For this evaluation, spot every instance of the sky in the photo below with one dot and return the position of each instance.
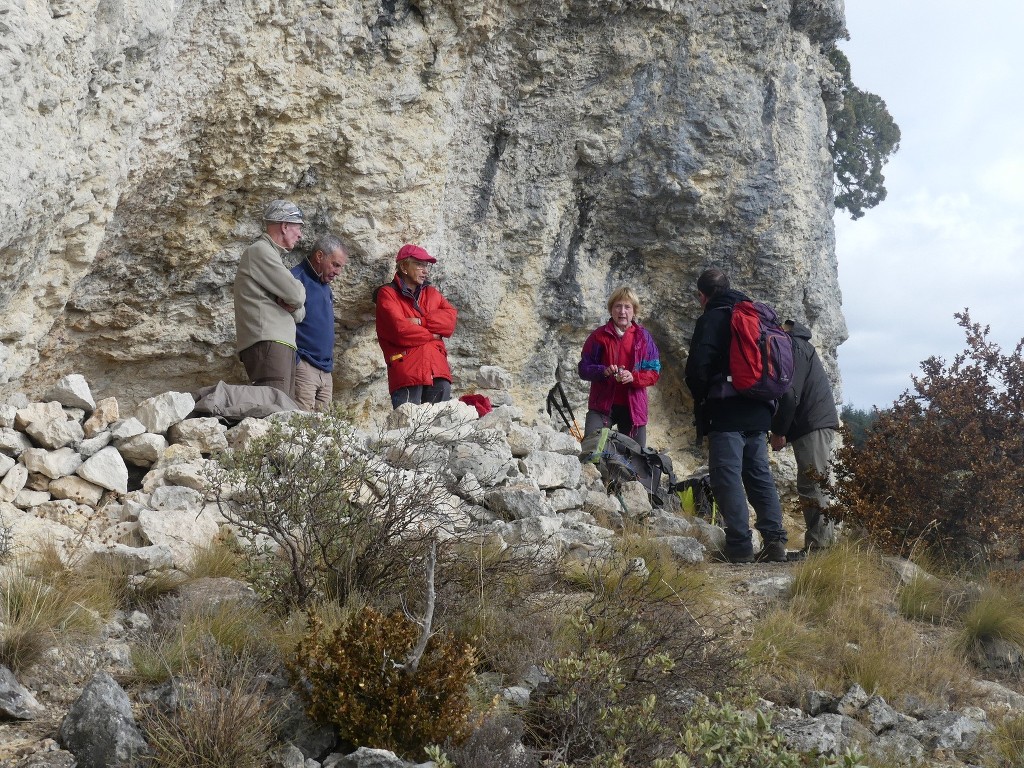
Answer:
(950, 234)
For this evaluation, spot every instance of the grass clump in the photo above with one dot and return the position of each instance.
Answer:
(219, 718)
(996, 614)
(841, 627)
(1006, 742)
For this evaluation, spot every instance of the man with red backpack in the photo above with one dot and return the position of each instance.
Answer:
(736, 426)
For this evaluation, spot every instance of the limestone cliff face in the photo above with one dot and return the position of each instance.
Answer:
(546, 150)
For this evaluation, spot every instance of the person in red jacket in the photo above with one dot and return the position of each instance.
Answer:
(413, 320)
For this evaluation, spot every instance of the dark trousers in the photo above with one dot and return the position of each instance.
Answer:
(738, 467)
(440, 391)
(270, 364)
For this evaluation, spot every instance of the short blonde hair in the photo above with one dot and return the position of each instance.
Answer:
(625, 293)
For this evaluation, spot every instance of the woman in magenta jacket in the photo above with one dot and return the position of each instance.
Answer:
(620, 360)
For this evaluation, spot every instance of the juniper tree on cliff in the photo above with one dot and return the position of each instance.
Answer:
(862, 136)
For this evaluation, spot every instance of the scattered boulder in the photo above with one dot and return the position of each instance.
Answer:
(100, 729)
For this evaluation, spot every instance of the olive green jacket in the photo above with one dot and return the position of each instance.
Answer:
(261, 280)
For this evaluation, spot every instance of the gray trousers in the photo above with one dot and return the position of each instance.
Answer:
(813, 453)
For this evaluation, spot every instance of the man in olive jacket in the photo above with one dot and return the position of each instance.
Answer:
(269, 300)
(807, 420)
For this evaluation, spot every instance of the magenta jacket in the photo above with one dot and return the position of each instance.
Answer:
(598, 353)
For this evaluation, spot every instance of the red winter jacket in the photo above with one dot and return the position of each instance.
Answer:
(413, 356)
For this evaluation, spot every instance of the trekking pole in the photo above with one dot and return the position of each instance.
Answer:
(556, 394)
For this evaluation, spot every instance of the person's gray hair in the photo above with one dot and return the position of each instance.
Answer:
(327, 244)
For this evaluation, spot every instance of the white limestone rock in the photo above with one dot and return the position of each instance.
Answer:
(136, 560)
(522, 440)
(53, 464)
(206, 434)
(554, 470)
(36, 412)
(72, 391)
(8, 413)
(159, 413)
(182, 531)
(106, 469)
(103, 415)
(635, 501)
(13, 442)
(93, 445)
(6, 462)
(56, 432)
(247, 430)
(122, 429)
(27, 499)
(515, 502)
(143, 450)
(13, 482)
(76, 489)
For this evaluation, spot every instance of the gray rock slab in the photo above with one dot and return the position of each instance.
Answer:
(516, 502)
(16, 701)
(100, 729)
(554, 470)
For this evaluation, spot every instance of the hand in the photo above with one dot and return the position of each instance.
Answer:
(285, 306)
(611, 370)
(778, 442)
(624, 376)
(415, 320)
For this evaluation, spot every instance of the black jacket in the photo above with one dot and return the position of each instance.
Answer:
(809, 404)
(708, 364)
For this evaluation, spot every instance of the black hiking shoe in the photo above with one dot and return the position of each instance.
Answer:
(736, 558)
(772, 552)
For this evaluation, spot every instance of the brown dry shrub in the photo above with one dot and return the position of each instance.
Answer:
(357, 679)
(945, 465)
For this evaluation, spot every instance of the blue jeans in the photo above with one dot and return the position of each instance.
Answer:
(419, 394)
(738, 465)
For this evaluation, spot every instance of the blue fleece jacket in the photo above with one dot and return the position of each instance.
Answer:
(314, 336)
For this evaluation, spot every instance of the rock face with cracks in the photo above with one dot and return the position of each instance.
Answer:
(546, 151)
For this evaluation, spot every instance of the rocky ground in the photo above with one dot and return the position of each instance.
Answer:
(96, 483)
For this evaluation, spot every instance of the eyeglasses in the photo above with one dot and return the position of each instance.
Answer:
(421, 265)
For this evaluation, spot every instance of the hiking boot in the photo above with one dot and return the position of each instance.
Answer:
(736, 558)
(796, 555)
(772, 552)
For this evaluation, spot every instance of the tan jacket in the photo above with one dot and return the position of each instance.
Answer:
(262, 278)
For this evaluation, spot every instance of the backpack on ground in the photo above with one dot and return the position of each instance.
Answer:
(760, 353)
(696, 496)
(620, 459)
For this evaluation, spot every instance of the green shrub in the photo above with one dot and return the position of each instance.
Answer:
(945, 464)
(358, 680)
(321, 516)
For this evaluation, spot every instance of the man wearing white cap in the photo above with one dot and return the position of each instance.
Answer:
(269, 300)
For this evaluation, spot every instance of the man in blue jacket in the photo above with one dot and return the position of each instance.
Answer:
(807, 420)
(736, 427)
(314, 336)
